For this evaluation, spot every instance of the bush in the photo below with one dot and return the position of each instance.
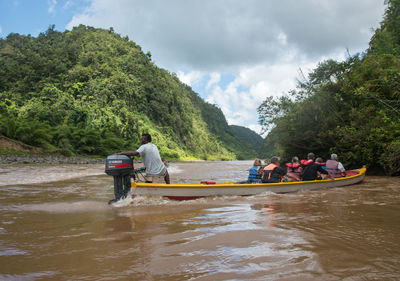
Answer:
(390, 159)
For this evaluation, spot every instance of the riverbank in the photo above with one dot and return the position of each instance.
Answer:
(48, 159)
(14, 152)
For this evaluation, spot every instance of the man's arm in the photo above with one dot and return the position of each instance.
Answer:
(128, 153)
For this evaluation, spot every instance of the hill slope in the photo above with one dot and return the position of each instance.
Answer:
(251, 139)
(90, 91)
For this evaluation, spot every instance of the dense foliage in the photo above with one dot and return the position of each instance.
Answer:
(89, 91)
(350, 108)
(253, 140)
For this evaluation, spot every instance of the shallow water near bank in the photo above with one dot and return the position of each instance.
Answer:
(56, 225)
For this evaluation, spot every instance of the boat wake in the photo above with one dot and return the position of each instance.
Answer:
(142, 200)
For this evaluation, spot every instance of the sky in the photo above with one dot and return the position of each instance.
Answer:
(233, 53)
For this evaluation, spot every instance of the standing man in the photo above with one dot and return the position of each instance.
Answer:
(151, 159)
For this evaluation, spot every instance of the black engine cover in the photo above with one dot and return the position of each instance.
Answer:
(119, 165)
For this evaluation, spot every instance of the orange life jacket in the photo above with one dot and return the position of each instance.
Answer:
(268, 170)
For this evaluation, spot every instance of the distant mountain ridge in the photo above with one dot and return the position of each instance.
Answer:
(251, 138)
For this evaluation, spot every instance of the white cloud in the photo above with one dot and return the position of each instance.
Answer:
(261, 44)
(68, 4)
(217, 35)
(190, 78)
(240, 99)
(215, 77)
(51, 6)
(1, 30)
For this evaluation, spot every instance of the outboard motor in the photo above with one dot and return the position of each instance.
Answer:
(121, 168)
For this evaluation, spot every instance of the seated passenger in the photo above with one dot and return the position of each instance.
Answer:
(274, 173)
(335, 168)
(294, 168)
(312, 171)
(321, 162)
(255, 172)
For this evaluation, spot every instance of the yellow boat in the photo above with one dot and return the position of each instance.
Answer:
(186, 191)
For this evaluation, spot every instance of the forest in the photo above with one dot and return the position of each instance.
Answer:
(90, 91)
(351, 107)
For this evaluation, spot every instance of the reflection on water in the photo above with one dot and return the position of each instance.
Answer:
(56, 225)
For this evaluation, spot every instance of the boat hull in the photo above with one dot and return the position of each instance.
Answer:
(186, 191)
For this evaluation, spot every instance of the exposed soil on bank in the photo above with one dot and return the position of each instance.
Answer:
(10, 145)
(15, 152)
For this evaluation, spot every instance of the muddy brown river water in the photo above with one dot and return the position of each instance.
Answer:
(56, 225)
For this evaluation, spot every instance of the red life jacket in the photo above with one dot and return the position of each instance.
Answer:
(292, 165)
(306, 162)
(294, 170)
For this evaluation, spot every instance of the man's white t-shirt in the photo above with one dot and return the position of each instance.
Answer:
(151, 159)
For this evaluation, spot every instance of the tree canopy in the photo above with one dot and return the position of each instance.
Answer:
(351, 108)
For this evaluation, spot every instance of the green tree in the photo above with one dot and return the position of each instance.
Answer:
(350, 107)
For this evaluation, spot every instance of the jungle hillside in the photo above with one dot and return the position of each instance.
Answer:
(90, 91)
(351, 107)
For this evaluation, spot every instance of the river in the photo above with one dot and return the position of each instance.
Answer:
(56, 225)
